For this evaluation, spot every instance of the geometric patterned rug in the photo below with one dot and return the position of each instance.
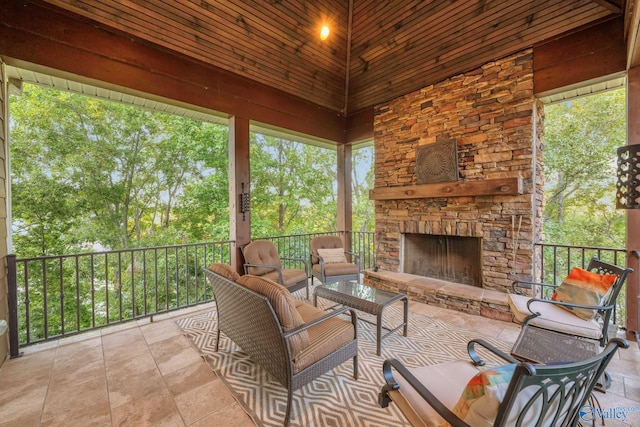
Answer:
(335, 398)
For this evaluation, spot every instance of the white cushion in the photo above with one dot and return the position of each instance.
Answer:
(553, 317)
(446, 381)
(332, 256)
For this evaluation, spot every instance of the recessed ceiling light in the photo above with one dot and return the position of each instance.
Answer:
(324, 32)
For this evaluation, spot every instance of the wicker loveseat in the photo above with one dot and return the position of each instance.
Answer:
(292, 340)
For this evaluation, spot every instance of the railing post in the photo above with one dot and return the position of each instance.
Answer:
(12, 296)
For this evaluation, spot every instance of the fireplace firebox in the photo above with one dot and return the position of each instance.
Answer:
(452, 258)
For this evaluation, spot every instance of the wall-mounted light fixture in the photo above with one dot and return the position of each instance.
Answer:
(245, 202)
(628, 183)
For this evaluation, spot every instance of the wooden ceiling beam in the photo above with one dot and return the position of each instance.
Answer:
(582, 56)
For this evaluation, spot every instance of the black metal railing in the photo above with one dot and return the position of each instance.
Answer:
(58, 296)
(556, 261)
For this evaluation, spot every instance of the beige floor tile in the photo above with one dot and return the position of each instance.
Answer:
(24, 373)
(159, 331)
(189, 378)
(157, 409)
(130, 365)
(173, 354)
(202, 401)
(77, 404)
(23, 405)
(128, 388)
(230, 416)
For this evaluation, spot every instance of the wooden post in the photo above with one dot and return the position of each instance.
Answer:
(344, 221)
(239, 174)
(633, 215)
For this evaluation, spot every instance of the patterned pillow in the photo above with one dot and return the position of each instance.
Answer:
(585, 288)
(479, 402)
(332, 256)
(284, 306)
(224, 270)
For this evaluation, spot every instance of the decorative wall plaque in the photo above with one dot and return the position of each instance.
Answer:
(437, 162)
(628, 183)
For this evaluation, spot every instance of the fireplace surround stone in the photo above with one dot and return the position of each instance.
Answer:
(496, 123)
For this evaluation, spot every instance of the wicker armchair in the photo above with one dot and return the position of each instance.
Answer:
(516, 394)
(262, 259)
(330, 262)
(294, 341)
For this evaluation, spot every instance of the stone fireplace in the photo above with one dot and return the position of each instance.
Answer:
(495, 123)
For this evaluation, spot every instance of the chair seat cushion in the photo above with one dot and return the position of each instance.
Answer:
(446, 381)
(553, 317)
(337, 269)
(289, 276)
(324, 338)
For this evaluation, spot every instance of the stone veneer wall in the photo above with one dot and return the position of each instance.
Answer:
(496, 122)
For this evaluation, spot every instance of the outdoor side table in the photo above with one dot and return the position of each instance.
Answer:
(367, 299)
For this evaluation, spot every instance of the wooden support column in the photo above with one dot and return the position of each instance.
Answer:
(633, 215)
(344, 220)
(240, 223)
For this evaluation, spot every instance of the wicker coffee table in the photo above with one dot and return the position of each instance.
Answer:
(364, 298)
(543, 346)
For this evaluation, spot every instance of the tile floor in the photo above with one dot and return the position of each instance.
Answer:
(147, 373)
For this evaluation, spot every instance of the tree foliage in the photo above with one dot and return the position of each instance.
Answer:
(92, 172)
(89, 173)
(581, 137)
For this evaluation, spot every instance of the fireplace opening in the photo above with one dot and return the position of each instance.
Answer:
(452, 258)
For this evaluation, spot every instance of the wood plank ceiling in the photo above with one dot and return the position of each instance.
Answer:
(396, 46)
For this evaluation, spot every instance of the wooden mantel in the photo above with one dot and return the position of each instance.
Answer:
(487, 187)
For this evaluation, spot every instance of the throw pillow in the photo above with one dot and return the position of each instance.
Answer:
(332, 256)
(585, 288)
(224, 270)
(284, 306)
(479, 402)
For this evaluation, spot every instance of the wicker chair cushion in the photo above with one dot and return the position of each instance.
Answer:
(261, 252)
(289, 276)
(326, 242)
(553, 317)
(325, 337)
(224, 270)
(337, 269)
(585, 288)
(332, 256)
(283, 304)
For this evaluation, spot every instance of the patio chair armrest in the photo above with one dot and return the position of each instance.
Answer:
(433, 401)
(329, 315)
(354, 255)
(477, 361)
(303, 261)
(518, 285)
(565, 304)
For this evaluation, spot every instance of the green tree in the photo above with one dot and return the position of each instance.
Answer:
(581, 137)
(114, 173)
(292, 187)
